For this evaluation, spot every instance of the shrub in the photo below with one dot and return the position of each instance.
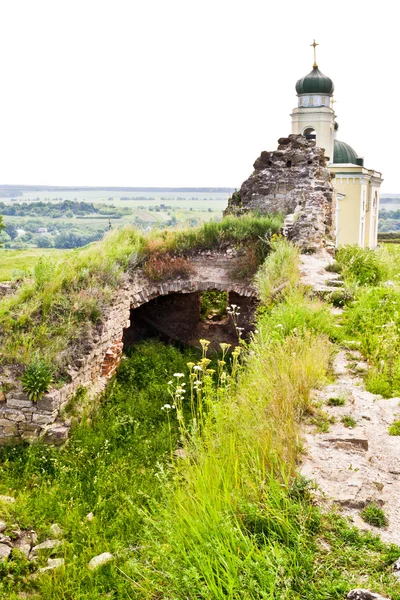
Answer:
(213, 304)
(374, 515)
(37, 379)
(361, 265)
(342, 297)
(164, 266)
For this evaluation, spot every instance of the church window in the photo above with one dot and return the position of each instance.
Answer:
(310, 133)
(311, 102)
(323, 100)
(301, 101)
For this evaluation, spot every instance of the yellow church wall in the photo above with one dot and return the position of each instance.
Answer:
(349, 211)
(358, 210)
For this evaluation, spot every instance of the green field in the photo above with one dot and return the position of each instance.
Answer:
(23, 260)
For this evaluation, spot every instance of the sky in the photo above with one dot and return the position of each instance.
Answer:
(185, 92)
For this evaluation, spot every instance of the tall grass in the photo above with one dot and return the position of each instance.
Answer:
(373, 317)
(279, 270)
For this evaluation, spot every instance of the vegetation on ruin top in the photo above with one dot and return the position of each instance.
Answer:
(57, 305)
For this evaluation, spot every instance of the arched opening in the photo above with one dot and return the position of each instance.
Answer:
(184, 319)
(310, 133)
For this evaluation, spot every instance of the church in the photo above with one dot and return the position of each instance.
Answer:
(357, 187)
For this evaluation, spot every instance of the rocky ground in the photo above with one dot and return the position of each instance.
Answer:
(359, 465)
(356, 462)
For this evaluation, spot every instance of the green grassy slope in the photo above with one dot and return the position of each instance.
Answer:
(228, 517)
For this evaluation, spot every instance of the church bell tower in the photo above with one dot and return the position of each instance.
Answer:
(314, 117)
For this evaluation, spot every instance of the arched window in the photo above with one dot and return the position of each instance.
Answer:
(310, 133)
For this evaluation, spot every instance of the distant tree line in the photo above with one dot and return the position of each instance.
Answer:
(64, 209)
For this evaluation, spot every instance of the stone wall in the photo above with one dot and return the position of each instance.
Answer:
(295, 181)
(21, 419)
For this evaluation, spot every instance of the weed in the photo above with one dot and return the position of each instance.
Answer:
(37, 379)
(337, 400)
(374, 515)
(394, 428)
(348, 421)
(213, 305)
(334, 267)
(163, 266)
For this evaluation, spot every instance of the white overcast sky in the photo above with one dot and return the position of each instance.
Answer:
(185, 92)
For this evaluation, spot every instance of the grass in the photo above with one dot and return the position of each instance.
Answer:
(15, 263)
(337, 401)
(394, 428)
(228, 518)
(374, 515)
(373, 317)
(348, 421)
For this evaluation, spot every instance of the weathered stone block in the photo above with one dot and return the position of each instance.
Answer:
(49, 402)
(16, 403)
(44, 418)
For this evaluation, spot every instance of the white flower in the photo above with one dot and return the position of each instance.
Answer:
(197, 368)
(179, 375)
(170, 382)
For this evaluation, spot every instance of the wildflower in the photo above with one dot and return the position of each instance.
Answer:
(166, 407)
(224, 347)
(179, 375)
(197, 368)
(170, 382)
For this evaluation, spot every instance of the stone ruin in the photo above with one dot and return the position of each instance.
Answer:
(131, 313)
(294, 181)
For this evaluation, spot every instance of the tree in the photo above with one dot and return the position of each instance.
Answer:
(1, 227)
(44, 241)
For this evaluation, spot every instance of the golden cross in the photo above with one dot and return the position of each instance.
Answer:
(314, 45)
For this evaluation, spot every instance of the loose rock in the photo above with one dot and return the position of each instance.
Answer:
(56, 530)
(396, 568)
(100, 560)
(7, 499)
(3, 526)
(5, 551)
(52, 563)
(47, 545)
(360, 594)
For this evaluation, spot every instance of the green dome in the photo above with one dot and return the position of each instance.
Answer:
(343, 153)
(315, 83)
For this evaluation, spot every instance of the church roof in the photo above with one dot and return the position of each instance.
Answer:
(343, 153)
(315, 83)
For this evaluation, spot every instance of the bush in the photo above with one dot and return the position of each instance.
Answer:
(37, 379)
